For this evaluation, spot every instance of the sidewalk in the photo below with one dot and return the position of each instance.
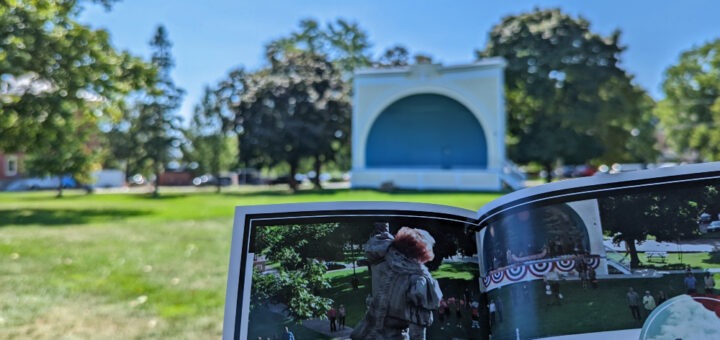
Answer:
(323, 326)
(317, 325)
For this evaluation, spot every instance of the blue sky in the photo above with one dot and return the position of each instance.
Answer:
(214, 36)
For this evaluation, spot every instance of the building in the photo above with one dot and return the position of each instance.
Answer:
(10, 165)
(428, 126)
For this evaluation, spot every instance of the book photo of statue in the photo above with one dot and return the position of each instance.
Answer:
(404, 293)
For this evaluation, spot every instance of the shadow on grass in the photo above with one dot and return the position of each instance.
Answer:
(329, 192)
(284, 193)
(714, 258)
(59, 217)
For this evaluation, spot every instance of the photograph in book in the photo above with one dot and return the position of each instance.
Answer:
(632, 255)
(609, 260)
(361, 273)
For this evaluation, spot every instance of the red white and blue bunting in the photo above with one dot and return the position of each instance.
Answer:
(537, 270)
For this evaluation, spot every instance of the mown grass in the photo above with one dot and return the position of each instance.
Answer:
(130, 266)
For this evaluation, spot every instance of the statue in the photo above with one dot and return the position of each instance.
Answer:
(404, 293)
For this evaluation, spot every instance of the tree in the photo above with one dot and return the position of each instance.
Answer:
(567, 98)
(65, 150)
(347, 46)
(395, 56)
(158, 128)
(58, 78)
(690, 112)
(300, 277)
(297, 108)
(668, 215)
(212, 144)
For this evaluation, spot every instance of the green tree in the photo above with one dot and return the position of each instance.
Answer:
(121, 143)
(394, 56)
(296, 109)
(65, 150)
(57, 78)
(211, 136)
(690, 112)
(668, 215)
(300, 277)
(347, 46)
(158, 127)
(567, 98)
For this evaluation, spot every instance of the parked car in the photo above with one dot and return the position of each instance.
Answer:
(212, 180)
(713, 227)
(42, 183)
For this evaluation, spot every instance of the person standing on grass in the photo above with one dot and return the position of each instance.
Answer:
(332, 315)
(633, 301)
(475, 312)
(690, 282)
(709, 281)
(341, 316)
(648, 302)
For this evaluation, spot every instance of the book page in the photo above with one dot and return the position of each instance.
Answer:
(354, 270)
(636, 258)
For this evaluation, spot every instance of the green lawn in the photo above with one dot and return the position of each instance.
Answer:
(583, 310)
(130, 266)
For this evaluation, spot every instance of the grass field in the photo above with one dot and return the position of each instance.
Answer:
(130, 266)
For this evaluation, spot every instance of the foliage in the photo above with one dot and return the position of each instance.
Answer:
(668, 216)
(213, 144)
(690, 112)
(299, 280)
(298, 108)
(64, 151)
(568, 99)
(344, 42)
(57, 79)
(345, 45)
(394, 56)
(158, 128)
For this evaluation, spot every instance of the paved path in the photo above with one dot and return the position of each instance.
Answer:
(317, 325)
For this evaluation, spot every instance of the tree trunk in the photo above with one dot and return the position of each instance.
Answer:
(317, 168)
(217, 182)
(549, 170)
(293, 170)
(59, 188)
(156, 189)
(634, 259)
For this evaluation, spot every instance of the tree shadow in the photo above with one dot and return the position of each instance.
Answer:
(61, 217)
(284, 193)
(714, 258)
(165, 196)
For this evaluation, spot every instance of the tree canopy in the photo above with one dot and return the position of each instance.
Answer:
(690, 112)
(567, 97)
(54, 71)
(298, 108)
(58, 80)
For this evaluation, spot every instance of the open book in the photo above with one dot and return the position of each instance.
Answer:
(624, 256)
